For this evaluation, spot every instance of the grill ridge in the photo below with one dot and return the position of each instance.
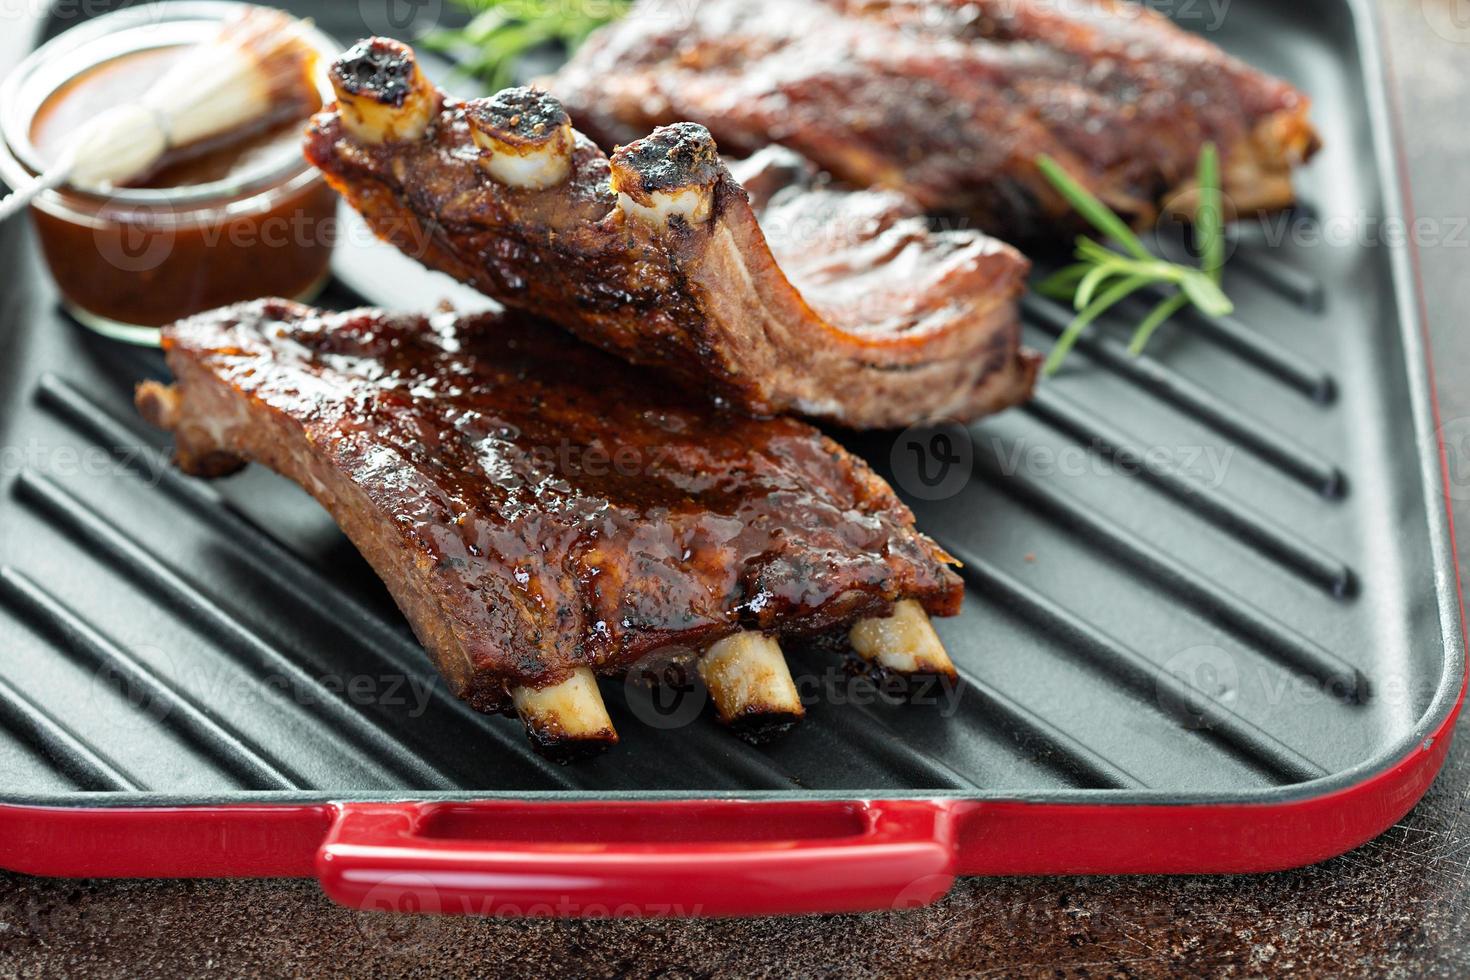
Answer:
(253, 765)
(1302, 288)
(1296, 371)
(1091, 645)
(64, 748)
(1042, 738)
(1197, 590)
(369, 735)
(1222, 510)
(1286, 454)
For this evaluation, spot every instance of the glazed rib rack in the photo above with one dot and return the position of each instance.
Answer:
(789, 297)
(544, 514)
(953, 102)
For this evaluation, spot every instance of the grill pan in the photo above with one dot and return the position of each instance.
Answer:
(1212, 622)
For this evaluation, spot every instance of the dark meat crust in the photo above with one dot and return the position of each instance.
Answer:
(534, 505)
(951, 101)
(935, 335)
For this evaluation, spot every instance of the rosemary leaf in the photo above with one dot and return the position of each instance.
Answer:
(1203, 292)
(1062, 284)
(1156, 318)
(503, 31)
(1098, 214)
(1103, 277)
(1090, 283)
(1069, 337)
(1209, 217)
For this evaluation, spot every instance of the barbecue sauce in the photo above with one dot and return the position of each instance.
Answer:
(147, 263)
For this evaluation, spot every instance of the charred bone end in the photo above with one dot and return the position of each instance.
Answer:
(669, 173)
(566, 720)
(382, 94)
(525, 137)
(904, 643)
(751, 686)
(196, 451)
(160, 404)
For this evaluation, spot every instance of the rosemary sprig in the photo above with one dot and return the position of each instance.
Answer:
(502, 31)
(1102, 277)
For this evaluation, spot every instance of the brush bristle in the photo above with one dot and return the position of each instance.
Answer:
(260, 65)
(278, 44)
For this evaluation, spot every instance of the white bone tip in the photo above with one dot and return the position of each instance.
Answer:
(524, 136)
(750, 684)
(903, 643)
(568, 718)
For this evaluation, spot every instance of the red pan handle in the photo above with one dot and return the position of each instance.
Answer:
(658, 858)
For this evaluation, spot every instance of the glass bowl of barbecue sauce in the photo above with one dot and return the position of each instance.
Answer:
(240, 218)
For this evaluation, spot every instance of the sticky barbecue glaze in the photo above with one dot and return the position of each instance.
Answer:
(535, 505)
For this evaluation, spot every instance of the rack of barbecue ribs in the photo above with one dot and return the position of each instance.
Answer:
(952, 101)
(838, 305)
(543, 514)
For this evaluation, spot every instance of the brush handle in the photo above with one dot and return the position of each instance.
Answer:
(16, 201)
(119, 144)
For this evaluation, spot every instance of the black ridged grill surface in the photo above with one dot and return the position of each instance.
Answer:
(1210, 570)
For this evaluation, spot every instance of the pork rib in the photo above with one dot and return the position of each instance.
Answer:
(543, 513)
(952, 101)
(839, 305)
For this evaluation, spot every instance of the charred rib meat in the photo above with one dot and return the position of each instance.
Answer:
(543, 514)
(840, 305)
(951, 101)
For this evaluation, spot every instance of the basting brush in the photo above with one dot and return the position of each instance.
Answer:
(259, 65)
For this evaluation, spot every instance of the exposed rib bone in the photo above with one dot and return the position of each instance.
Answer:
(566, 717)
(384, 97)
(670, 173)
(159, 403)
(751, 685)
(526, 136)
(904, 643)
